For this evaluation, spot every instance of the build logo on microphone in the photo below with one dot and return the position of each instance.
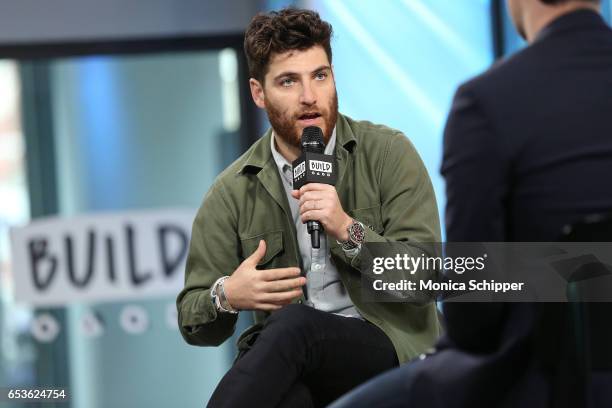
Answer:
(299, 170)
(320, 168)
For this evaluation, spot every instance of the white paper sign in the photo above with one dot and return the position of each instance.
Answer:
(92, 325)
(45, 328)
(101, 257)
(134, 319)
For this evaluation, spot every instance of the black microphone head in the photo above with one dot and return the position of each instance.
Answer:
(312, 140)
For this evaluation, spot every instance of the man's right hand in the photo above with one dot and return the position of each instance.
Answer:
(251, 289)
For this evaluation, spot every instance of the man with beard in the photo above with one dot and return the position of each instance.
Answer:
(314, 337)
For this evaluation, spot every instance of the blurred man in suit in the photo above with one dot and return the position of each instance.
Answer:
(527, 150)
(527, 143)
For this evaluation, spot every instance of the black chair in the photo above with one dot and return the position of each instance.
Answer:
(575, 339)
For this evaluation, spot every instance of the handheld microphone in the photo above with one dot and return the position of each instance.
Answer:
(313, 166)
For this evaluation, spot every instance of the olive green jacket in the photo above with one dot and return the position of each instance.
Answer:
(382, 182)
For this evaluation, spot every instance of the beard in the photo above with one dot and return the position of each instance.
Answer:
(285, 123)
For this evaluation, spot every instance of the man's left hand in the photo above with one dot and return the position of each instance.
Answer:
(320, 202)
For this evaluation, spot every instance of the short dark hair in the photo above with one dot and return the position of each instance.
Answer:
(555, 2)
(281, 31)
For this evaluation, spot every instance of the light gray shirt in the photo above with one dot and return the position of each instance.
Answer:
(325, 289)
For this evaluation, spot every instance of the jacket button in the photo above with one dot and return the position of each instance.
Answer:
(300, 301)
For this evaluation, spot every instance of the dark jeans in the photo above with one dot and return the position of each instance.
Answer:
(305, 358)
(388, 390)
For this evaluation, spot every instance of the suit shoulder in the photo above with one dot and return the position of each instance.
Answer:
(501, 76)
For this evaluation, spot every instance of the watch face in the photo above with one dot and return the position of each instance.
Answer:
(357, 233)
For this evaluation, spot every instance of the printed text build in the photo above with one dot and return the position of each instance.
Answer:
(100, 257)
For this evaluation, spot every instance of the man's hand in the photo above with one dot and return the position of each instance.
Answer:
(252, 289)
(320, 202)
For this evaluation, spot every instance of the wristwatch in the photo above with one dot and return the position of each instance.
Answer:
(217, 293)
(356, 236)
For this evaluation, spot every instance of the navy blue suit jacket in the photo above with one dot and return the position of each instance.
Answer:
(528, 144)
(527, 150)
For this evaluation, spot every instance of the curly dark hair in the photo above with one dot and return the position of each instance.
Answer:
(281, 31)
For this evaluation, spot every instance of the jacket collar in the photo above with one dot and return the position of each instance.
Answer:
(260, 154)
(576, 20)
